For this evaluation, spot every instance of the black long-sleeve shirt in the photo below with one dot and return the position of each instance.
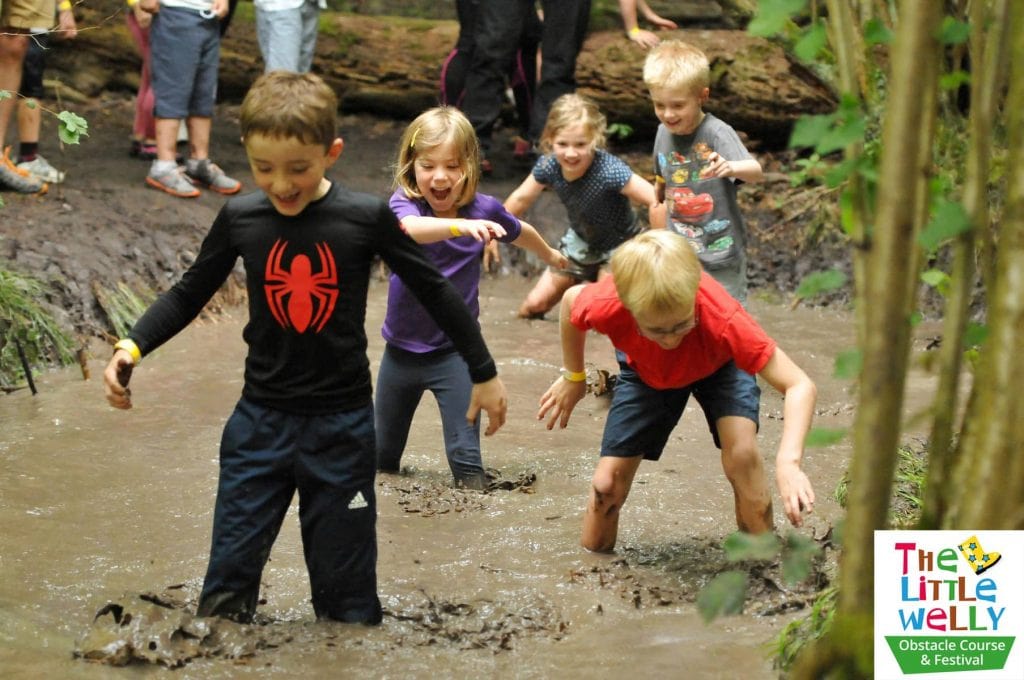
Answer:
(307, 278)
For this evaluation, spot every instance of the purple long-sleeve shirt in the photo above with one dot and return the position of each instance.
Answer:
(407, 324)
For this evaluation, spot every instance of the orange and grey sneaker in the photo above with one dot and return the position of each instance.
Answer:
(208, 174)
(172, 181)
(13, 178)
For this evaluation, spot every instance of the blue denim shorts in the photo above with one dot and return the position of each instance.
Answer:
(641, 417)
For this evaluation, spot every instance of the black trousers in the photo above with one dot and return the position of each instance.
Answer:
(499, 23)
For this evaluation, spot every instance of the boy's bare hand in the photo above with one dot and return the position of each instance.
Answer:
(795, 490)
(717, 166)
(115, 379)
(492, 256)
(491, 397)
(560, 399)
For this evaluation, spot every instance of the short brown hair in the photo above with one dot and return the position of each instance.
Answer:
(656, 271)
(432, 128)
(285, 104)
(570, 109)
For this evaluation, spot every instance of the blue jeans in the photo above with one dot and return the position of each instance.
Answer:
(287, 37)
(641, 418)
(265, 456)
(401, 382)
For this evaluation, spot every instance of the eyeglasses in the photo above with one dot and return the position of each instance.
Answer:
(681, 328)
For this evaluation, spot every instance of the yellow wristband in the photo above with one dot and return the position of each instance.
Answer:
(455, 230)
(128, 345)
(574, 377)
(64, 6)
(634, 31)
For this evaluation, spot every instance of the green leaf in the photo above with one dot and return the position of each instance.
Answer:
(916, 318)
(798, 556)
(841, 172)
(951, 81)
(953, 31)
(849, 129)
(5, 94)
(820, 282)
(876, 33)
(741, 546)
(937, 279)
(772, 16)
(724, 595)
(949, 220)
(71, 127)
(809, 129)
(813, 41)
(820, 437)
(847, 365)
(975, 334)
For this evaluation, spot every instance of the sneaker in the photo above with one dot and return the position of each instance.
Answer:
(173, 182)
(42, 169)
(209, 174)
(143, 151)
(14, 178)
(522, 149)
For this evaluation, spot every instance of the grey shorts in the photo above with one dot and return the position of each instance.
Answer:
(185, 55)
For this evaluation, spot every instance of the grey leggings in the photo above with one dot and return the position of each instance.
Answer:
(401, 382)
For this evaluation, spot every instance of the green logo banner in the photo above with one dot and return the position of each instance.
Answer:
(944, 654)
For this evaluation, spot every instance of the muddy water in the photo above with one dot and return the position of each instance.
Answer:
(96, 503)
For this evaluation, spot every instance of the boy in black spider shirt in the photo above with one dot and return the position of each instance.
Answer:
(305, 417)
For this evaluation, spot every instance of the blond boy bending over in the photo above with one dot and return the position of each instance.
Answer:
(677, 331)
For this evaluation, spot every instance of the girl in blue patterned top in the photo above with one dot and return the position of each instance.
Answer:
(596, 188)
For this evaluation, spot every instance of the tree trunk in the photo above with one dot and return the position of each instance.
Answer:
(885, 353)
(988, 46)
(990, 472)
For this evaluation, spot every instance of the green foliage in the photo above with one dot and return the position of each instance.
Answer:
(24, 320)
(800, 632)
(773, 16)
(830, 132)
(123, 306)
(876, 33)
(820, 437)
(949, 220)
(817, 283)
(723, 596)
(726, 593)
(848, 364)
(953, 31)
(620, 131)
(813, 42)
(71, 127)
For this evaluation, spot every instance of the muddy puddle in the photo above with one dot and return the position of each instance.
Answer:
(105, 517)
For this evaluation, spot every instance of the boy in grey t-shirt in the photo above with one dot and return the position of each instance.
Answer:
(698, 160)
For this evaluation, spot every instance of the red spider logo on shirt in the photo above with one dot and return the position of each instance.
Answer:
(293, 294)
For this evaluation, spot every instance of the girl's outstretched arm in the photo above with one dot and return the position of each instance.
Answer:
(424, 229)
(531, 240)
(520, 200)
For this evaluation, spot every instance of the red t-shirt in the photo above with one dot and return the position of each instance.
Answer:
(724, 331)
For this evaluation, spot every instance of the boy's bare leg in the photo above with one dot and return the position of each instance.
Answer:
(166, 138)
(608, 490)
(198, 136)
(745, 471)
(545, 294)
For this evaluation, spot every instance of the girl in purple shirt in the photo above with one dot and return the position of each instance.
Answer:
(436, 201)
